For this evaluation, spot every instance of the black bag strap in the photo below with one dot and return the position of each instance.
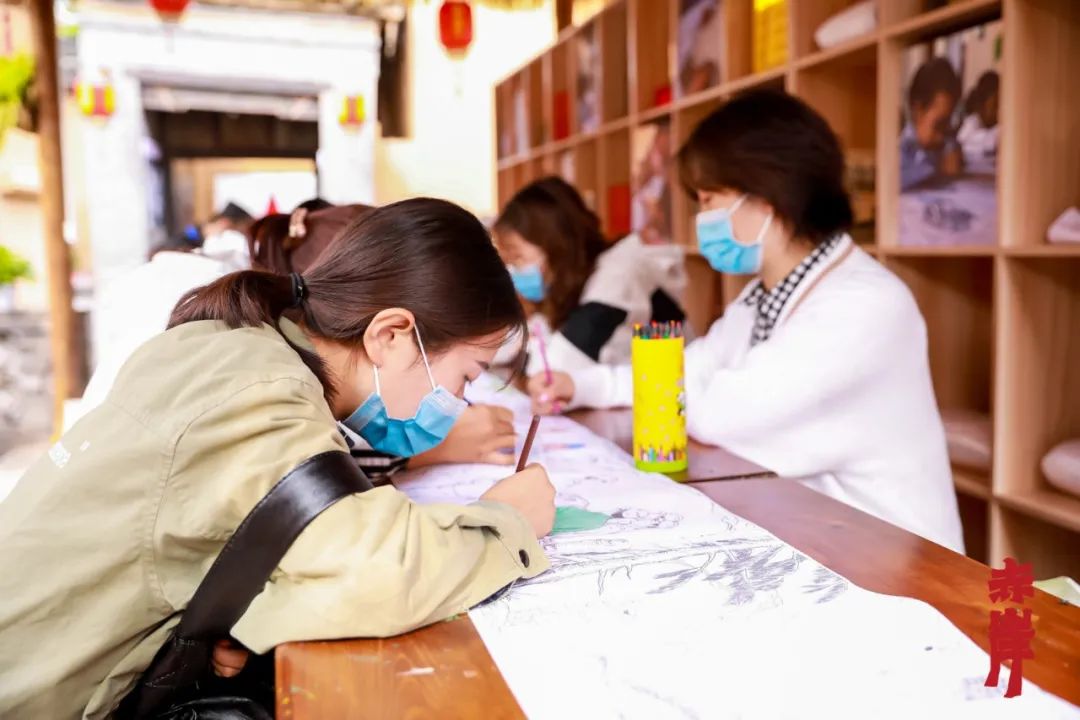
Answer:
(240, 573)
(260, 542)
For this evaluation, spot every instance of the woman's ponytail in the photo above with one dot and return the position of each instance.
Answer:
(251, 298)
(242, 299)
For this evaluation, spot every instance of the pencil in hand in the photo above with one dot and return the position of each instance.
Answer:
(536, 331)
(524, 459)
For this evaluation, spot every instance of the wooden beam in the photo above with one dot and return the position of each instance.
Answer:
(564, 14)
(66, 350)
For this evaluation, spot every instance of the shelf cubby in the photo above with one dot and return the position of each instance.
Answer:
(649, 56)
(844, 90)
(738, 28)
(615, 93)
(585, 161)
(1040, 121)
(559, 92)
(1039, 383)
(534, 79)
(1050, 548)
(955, 296)
(613, 173)
(934, 18)
(975, 517)
(807, 16)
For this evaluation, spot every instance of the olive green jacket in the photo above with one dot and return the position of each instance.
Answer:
(104, 540)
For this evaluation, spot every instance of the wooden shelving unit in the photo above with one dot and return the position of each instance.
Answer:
(1003, 320)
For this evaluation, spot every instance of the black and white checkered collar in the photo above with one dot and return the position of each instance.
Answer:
(770, 303)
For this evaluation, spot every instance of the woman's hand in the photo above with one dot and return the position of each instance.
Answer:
(229, 658)
(482, 434)
(531, 493)
(553, 397)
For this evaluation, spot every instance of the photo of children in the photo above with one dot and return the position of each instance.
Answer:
(948, 139)
(651, 205)
(588, 61)
(700, 45)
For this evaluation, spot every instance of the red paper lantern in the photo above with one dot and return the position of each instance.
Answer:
(455, 26)
(169, 10)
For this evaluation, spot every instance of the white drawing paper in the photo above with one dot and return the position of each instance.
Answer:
(677, 608)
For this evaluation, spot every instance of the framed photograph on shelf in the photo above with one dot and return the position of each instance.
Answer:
(700, 45)
(588, 87)
(949, 139)
(650, 210)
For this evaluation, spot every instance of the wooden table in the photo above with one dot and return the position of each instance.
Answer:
(372, 678)
(706, 462)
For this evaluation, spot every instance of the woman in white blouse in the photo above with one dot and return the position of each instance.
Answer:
(818, 370)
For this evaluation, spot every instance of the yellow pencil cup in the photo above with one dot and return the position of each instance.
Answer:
(659, 404)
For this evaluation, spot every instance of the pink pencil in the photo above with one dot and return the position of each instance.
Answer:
(543, 358)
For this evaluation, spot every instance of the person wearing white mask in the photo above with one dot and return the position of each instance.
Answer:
(136, 306)
(229, 247)
(819, 369)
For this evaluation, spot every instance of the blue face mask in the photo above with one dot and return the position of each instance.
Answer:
(716, 240)
(434, 417)
(529, 282)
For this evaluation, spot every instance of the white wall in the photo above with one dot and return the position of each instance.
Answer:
(339, 53)
(451, 153)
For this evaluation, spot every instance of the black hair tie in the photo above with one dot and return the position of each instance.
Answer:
(299, 289)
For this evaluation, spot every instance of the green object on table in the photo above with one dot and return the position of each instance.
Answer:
(572, 519)
(1063, 588)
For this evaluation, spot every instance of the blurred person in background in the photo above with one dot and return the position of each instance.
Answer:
(225, 237)
(136, 306)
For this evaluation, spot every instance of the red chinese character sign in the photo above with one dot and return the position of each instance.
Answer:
(1013, 582)
(1011, 631)
(455, 26)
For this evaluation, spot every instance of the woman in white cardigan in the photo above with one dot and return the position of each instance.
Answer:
(818, 370)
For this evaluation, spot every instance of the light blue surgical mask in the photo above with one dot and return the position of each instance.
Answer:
(716, 240)
(529, 282)
(436, 414)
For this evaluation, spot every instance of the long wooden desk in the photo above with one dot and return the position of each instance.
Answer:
(377, 678)
(706, 462)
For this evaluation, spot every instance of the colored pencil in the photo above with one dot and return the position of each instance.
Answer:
(528, 443)
(658, 330)
(543, 353)
(544, 359)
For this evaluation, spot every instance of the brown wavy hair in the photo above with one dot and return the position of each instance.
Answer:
(428, 256)
(550, 214)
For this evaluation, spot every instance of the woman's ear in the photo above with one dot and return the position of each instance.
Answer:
(389, 334)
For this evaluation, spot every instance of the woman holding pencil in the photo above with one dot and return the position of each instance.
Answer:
(584, 295)
(132, 505)
(819, 369)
